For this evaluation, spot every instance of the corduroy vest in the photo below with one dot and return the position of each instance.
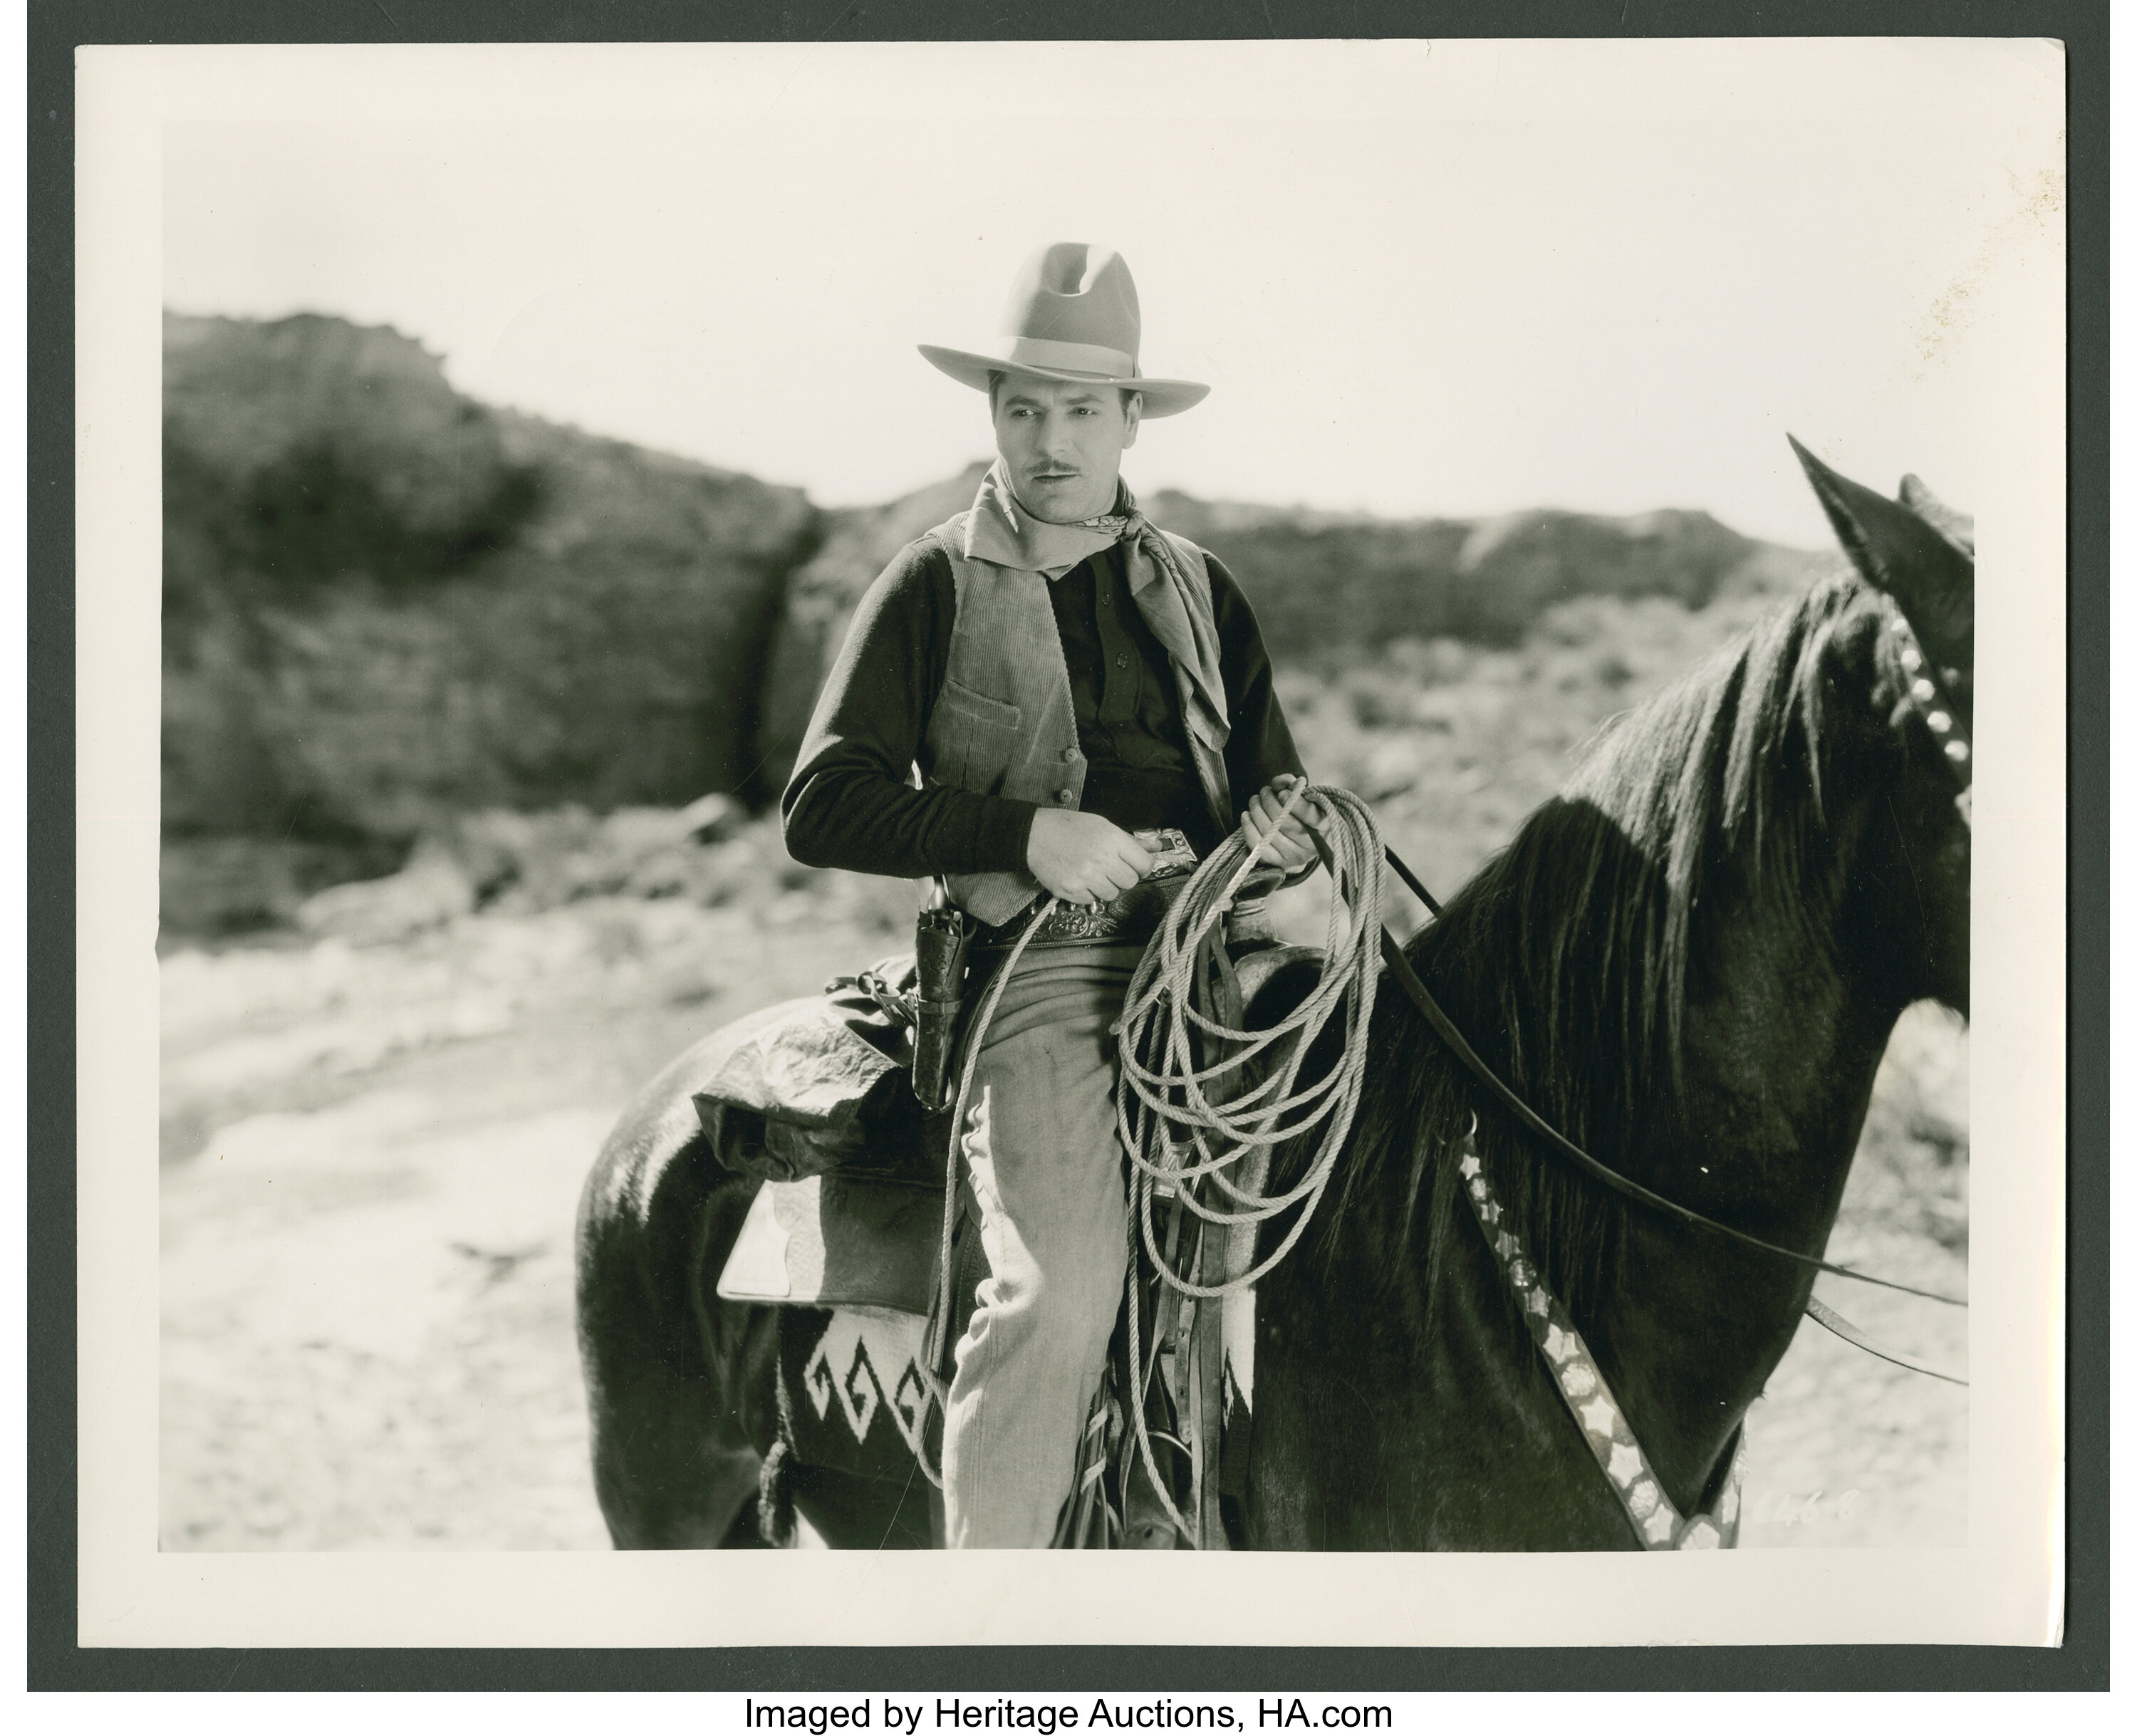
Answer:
(1004, 723)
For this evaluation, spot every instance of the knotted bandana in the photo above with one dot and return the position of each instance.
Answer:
(998, 529)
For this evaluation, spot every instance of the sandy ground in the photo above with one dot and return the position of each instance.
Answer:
(371, 1159)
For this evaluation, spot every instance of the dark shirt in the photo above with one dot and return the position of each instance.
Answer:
(851, 803)
(1138, 771)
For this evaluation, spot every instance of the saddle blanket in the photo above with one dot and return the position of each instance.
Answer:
(855, 1385)
(837, 1241)
(853, 1368)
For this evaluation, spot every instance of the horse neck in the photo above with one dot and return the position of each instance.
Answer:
(1779, 1057)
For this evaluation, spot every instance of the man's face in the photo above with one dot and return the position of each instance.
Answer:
(1061, 443)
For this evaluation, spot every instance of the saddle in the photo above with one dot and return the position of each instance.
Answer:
(813, 1099)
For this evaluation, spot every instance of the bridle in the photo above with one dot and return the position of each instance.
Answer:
(1927, 695)
(1435, 1015)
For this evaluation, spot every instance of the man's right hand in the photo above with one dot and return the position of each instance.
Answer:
(1084, 859)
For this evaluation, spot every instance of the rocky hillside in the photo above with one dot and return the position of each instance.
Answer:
(819, 600)
(386, 604)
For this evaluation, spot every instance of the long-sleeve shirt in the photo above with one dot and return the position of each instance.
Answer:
(850, 803)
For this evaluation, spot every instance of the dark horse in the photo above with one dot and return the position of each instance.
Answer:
(1689, 962)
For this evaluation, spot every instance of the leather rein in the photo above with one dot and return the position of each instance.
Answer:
(1924, 695)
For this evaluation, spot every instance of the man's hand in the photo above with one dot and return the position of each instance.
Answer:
(1291, 848)
(1082, 858)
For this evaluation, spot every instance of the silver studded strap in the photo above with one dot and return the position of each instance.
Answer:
(1929, 695)
(1654, 1517)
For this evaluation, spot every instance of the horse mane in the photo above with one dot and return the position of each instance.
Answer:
(1568, 960)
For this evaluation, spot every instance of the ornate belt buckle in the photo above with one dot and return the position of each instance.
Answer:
(1168, 844)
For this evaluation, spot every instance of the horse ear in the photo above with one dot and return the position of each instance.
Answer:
(1908, 556)
(1950, 523)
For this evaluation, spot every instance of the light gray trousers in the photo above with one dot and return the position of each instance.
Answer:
(1046, 1169)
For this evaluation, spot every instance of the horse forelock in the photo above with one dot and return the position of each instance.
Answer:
(1570, 954)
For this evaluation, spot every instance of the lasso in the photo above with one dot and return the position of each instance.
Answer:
(1165, 1106)
(1186, 1136)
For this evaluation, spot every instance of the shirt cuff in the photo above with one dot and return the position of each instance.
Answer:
(1004, 844)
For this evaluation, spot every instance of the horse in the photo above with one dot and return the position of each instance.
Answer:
(1689, 962)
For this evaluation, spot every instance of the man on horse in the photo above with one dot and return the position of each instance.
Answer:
(1082, 693)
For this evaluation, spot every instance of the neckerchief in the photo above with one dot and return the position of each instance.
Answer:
(998, 529)
(1001, 530)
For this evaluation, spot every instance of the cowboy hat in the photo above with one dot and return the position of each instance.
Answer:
(1072, 315)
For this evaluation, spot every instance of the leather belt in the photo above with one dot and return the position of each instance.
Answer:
(1132, 917)
(1127, 918)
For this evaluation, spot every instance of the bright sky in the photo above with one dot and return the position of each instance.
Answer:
(1449, 278)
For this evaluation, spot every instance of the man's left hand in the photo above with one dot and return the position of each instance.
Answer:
(1290, 846)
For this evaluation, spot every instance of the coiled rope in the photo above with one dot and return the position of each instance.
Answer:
(1189, 1138)
(1177, 1112)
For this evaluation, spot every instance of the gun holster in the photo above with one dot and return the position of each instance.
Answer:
(941, 938)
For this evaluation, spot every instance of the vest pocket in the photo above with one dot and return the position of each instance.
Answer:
(984, 710)
(976, 738)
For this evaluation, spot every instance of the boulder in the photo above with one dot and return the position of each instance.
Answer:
(524, 863)
(428, 893)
